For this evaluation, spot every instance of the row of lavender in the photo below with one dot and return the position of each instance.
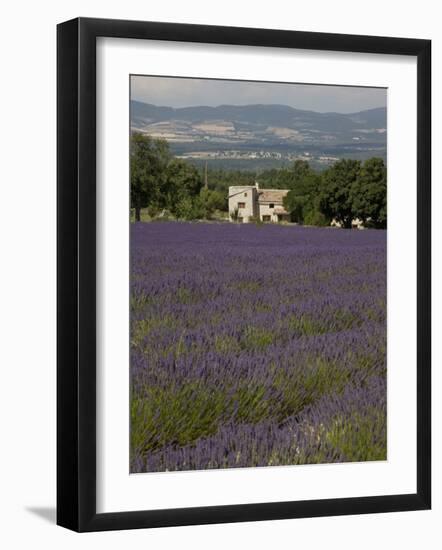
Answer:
(256, 345)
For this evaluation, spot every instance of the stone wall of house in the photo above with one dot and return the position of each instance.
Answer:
(245, 199)
(253, 202)
(265, 210)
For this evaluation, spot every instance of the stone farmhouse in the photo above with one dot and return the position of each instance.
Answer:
(250, 203)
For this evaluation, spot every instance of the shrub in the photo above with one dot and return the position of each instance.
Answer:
(314, 217)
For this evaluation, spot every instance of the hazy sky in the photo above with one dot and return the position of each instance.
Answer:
(186, 92)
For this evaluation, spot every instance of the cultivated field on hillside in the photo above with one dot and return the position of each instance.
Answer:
(256, 345)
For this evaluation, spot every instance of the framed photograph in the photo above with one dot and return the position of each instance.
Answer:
(243, 274)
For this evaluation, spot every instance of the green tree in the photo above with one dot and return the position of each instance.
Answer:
(182, 181)
(187, 208)
(302, 201)
(369, 193)
(220, 180)
(315, 217)
(285, 178)
(336, 197)
(211, 200)
(276, 178)
(301, 169)
(148, 160)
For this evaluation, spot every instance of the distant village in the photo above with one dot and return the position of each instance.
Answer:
(254, 155)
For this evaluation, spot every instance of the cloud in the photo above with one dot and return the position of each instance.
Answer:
(186, 92)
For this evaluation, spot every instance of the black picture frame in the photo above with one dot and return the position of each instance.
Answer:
(76, 274)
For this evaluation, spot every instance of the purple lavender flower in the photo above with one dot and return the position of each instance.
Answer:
(255, 346)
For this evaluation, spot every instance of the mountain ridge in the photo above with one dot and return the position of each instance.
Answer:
(265, 105)
(150, 110)
(283, 130)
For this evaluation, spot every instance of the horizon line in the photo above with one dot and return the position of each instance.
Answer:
(257, 105)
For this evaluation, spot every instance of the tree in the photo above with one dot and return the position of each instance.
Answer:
(369, 193)
(148, 160)
(188, 208)
(285, 178)
(220, 180)
(302, 199)
(295, 205)
(301, 169)
(211, 200)
(182, 181)
(316, 217)
(336, 197)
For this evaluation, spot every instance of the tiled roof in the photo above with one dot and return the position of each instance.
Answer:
(272, 195)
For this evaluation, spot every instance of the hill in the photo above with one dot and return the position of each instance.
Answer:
(263, 132)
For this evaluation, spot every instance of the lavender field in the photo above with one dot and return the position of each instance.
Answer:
(256, 345)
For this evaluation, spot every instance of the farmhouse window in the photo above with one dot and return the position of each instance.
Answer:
(266, 218)
(245, 194)
(241, 205)
(271, 205)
